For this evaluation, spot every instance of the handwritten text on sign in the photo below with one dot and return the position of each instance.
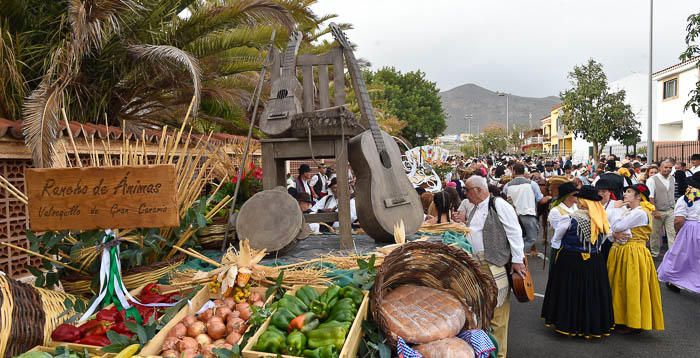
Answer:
(102, 198)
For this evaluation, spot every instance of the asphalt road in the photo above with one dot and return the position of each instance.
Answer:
(528, 337)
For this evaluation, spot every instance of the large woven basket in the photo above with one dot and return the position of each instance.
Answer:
(28, 315)
(439, 266)
(133, 278)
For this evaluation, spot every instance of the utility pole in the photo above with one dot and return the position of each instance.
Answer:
(501, 94)
(468, 118)
(650, 144)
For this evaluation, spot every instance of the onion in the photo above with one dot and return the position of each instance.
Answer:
(189, 320)
(190, 353)
(259, 304)
(255, 296)
(216, 329)
(219, 341)
(232, 315)
(178, 331)
(233, 338)
(241, 306)
(203, 339)
(235, 325)
(170, 343)
(218, 303)
(187, 343)
(169, 354)
(207, 350)
(206, 315)
(246, 313)
(195, 329)
(230, 302)
(223, 311)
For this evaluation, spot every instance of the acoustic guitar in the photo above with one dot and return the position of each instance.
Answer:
(284, 99)
(523, 287)
(384, 195)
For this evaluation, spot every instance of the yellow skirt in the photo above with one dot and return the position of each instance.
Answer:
(635, 287)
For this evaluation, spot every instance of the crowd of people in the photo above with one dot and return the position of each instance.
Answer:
(604, 227)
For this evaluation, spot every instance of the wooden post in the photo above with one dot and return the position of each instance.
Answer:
(269, 166)
(338, 77)
(341, 165)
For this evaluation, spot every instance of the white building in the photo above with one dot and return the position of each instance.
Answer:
(673, 85)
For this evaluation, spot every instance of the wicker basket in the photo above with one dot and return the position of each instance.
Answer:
(28, 315)
(438, 266)
(133, 278)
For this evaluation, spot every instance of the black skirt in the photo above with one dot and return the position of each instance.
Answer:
(578, 301)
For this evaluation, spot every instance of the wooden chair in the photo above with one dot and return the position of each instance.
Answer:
(320, 132)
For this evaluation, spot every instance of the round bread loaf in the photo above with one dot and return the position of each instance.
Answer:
(421, 314)
(446, 348)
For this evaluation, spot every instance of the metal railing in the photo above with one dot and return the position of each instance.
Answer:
(533, 140)
(678, 150)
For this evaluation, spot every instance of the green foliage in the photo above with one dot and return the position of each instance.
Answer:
(142, 335)
(470, 149)
(692, 40)
(493, 139)
(276, 289)
(374, 344)
(235, 352)
(363, 277)
(592, 111)
(413, 99)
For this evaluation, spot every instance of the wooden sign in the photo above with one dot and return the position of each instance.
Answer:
(102, 198)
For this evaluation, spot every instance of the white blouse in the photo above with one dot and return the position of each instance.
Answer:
(689, 213)
(631, 219)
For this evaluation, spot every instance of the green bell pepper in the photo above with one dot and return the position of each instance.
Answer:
(323, 304)
(306, 294)
(354, 293)
(342, 316)
(328, 334)
(321, 352)
(271, 341)
(281, 318)
(296, 343)
(346, 304)
(293, 304)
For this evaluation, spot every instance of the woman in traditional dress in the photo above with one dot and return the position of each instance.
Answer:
(631, 271)
(680, 265)
(577, 301)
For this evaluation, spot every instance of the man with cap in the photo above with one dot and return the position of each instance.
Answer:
(304, 201)
(329, 204)
(548, 170)
(562, 207)
(302, 183)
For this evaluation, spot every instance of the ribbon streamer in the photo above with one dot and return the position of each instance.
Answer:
(112, 289)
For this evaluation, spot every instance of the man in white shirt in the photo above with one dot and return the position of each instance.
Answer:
(329, 204)
(559, 217)
(496, 238)
(320, 181)
(695, 162)
(662, 187)
(525, 195)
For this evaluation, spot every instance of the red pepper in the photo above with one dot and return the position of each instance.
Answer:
(95, 340)
(109, 315)
(95, 327)
(154, 298)
(66, 333)
(150, 289)
(121, 327)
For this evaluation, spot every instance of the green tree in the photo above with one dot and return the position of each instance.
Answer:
(515, 139)
(591, 110)
(493, 139)
(136, 61)
(470, 149)
(692, 40)
(411, 98)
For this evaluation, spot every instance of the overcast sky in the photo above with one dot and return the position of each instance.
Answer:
(524, 47)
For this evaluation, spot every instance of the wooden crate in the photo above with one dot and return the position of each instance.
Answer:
(153, 348)
(73, 347)
(352, 341)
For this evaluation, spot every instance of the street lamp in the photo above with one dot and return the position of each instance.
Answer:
(468, 118)
(501, 94)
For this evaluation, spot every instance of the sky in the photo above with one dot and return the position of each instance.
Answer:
(523, 47)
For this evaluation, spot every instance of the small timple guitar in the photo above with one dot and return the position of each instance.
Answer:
(385, 196)
(284, 99)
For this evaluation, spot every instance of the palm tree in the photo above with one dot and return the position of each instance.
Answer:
(141, 62)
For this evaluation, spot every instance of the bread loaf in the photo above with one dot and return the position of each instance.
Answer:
(446, 348)
(421, 314)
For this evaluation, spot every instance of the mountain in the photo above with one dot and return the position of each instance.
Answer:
(488, 108)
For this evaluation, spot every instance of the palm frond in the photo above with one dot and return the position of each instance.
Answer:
(214, 43)
(41, 121)
(166, 54)
(12, 84)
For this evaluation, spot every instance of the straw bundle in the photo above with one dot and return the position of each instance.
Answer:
(442, 227)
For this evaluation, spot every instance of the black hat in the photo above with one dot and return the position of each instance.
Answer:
(334, 181)
(611, 165)
(640, 189)
(566, 189)
(694, 180)
(304, 168)
(304, 197)
(604, 184)
(695, 157)
(588, 192)
(548, 164)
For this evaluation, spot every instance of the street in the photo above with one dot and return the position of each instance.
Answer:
(528, 337)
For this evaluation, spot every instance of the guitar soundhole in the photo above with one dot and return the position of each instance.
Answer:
(384, 158)
(282, 94)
